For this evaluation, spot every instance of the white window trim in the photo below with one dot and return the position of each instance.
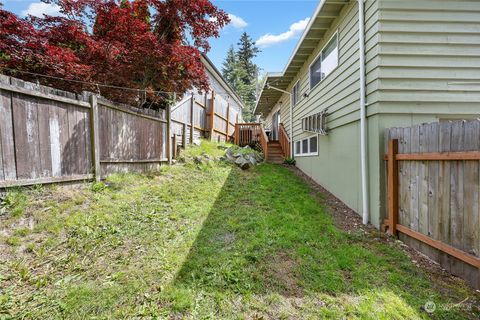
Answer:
(309, 154)
(295, 84)
(318, 55)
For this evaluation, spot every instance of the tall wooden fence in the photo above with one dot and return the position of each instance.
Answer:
(49, 135)
(208, 115)
(434, 192)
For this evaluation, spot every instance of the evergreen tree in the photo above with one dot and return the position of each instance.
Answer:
(230, 65)
(239, 71)
(247, 50)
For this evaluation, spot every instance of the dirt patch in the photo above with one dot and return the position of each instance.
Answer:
(281, 268)
(348, 220)
(227, 239)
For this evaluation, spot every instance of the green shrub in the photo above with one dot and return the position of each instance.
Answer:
(289, 161)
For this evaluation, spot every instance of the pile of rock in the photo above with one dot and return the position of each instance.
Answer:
(244, 158)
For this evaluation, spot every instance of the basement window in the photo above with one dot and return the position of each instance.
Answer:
(307, 146)
(325, 63)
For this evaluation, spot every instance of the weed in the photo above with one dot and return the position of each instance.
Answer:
(13, 241)
(14, 203)
(98, 186)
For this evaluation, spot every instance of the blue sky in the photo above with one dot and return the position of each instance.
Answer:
(276, 24)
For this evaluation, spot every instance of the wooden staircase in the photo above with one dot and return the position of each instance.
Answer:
(275, 152)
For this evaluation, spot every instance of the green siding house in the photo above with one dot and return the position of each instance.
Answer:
(362, 67)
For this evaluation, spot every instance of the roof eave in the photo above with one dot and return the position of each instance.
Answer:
(319, 24)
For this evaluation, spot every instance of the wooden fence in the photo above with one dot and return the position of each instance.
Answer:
(208, 115)
(49, 135)
(434, 193)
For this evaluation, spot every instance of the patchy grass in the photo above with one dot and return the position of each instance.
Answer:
(13, 203)
(202, 242)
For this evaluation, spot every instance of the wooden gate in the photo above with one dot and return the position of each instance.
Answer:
(433, 184)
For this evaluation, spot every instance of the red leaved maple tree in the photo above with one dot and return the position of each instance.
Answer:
(149, 45)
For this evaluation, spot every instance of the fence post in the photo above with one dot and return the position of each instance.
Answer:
(95, 137)
(212, 116)
(174, 146)
(184, 136)
(236, 133)
(236, 129)
(169, 133)
(192, 123)
(392, 186)
(228, 122)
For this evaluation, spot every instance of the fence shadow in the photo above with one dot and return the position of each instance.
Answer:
(76, 153)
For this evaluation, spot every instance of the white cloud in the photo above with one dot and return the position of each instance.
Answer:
(295, 29)
(237, 22)
(38, 9)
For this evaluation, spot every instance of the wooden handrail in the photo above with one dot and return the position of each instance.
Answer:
(248, 133)
(284, 140)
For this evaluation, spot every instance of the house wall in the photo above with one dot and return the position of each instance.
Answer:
(337, 167)
(415, 51)
(425, 49)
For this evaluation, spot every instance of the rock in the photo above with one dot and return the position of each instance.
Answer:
(252, 159)
(244, 158)
(242, 163)
(197, 160)
(196, 142)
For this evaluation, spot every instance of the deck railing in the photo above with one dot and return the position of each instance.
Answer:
(251, 133)
(284, 141)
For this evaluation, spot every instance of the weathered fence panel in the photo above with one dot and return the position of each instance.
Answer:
(46, 135)
(438, 193)
(132, 139)
(42, 139)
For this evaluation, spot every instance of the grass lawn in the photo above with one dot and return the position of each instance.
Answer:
(205, 242)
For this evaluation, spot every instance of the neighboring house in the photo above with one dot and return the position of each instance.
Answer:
(220, 86)
(196, 105)
(421, 64)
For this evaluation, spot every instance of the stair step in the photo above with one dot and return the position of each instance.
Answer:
(275, 161)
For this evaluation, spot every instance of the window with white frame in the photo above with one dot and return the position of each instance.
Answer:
(307, 146)
(296, 93)
(325, 63)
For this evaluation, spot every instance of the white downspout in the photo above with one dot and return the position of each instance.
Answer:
(363, 114)
(291, 128)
